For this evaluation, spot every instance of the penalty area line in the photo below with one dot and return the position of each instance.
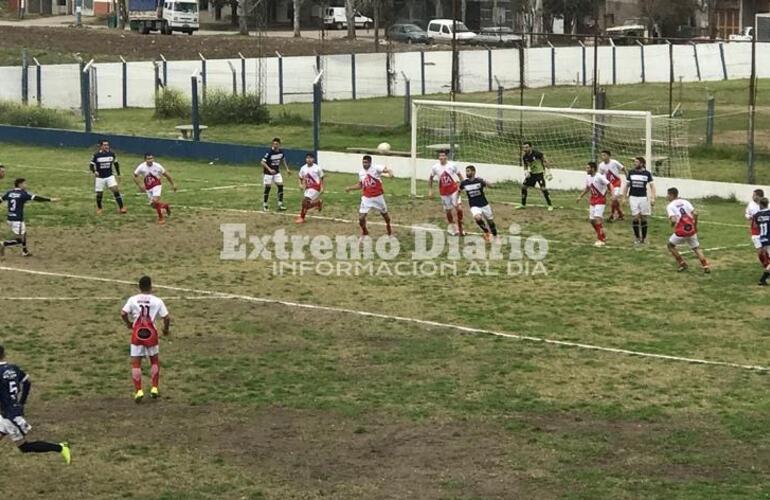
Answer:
(403, 319)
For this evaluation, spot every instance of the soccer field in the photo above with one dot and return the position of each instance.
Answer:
(316, 386)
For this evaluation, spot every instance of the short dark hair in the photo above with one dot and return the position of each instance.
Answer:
(102, 141)
(145, 283)
(592, 164)
(673, 192)
(310, 155)
(471, 167)
(527, 143)
(18, 182)
(367, 157)
(606, 151)
(758, 192)
(764, 202)
(443, 150)
(148, 154)
(2, 166)
(641, 160)
(276, 139)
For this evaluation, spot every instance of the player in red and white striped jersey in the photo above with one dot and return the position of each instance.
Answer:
(684, 219)
(614, 171)
(311, 179)
(370, 184)
(148, 178)
(597, 184)
(449, 188)
(751, 210)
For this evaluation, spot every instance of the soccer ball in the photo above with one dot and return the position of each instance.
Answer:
(383, 148)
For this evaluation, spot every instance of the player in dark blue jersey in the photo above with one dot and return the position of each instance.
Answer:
(102, 164)
(480, 208)
(16, 199)
(271, 169)
(761, 220)
(14, 391)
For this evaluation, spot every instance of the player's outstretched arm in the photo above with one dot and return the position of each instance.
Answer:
(354, 187)
(92, 167)
(126, 321)
(36, 197)
(285, 165)
(651, 190)
(582, 194)
(167, 325)
(138, 181)
(170, 180)
(26, 386)
(117, 168)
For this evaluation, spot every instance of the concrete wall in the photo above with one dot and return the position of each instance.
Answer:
(623, 65)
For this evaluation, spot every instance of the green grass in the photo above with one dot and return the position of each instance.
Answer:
(268, 401)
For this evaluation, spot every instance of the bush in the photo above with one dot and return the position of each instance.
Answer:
(222, 108)
(32, 116)
(172, 103)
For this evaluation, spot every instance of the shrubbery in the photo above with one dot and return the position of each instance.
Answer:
(219, 108)
(33, 116)
(172, 103)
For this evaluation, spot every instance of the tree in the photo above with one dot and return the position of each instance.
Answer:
(122, 14)
(297, 5)
(667, 15)
(243, 8)
(350, 15)
(439, 9)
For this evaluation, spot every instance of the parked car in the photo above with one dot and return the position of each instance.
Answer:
(408, 33)
(335, 17)
(440, 30)
(744, 36)
(499, 36)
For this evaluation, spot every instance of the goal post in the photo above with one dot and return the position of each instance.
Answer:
(492, 135)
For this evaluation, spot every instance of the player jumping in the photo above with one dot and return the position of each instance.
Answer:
(613, 170)
(147, 177)
(684, 219)
(761, 220)
(597, 184)
(16, 199)
(534, 174)
(139, 315)
(101, 166)
(370, 184)
(14, 391)
(311, 180)
(448, 187)
(271, 170)
(751, 209)
(481, 210)
(640, 191)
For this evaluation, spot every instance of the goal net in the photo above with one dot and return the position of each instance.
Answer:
(492, 135)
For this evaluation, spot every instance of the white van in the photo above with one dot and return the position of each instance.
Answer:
(440, 30)
(335, 17)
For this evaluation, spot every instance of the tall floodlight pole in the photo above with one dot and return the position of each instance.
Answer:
(455, 55)
(752, 108)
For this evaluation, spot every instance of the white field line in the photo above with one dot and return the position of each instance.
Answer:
(402, 319)
(110, 299)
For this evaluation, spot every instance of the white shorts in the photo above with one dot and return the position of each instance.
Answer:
(101, 183)
(269, 180)
(451, 201)
(485, 211)
(596, 211)
(639, 205)
(313, 194)
(376, 203)
(154, 192)
(15, 432)
(17, 227)
(692, 241)
(141, 351)
(756, 241)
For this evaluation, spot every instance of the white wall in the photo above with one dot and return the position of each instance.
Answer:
(562, 179)
(61, 87)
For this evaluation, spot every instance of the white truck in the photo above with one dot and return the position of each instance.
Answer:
(336, 17)
(440, 31)
(762, 29)
(165, 16)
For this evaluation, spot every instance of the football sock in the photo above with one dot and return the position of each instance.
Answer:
(764, 259)
(136, 373)
(492, 227)
(460, 220)
(547, 197)
(266, 195)
(764, 278)
(39, 447)
(449, 217)
(10, 243)
(155, 370)
(482, 225)
(387, 223)
(158, 208)
(24, 242)
(635, 225)
(644, 230)
(99, 200)
(280, 194)
(305, 207)
(523, 196)
(118, 199)
(364, 230)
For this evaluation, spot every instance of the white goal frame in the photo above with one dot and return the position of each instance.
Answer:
(646, 115)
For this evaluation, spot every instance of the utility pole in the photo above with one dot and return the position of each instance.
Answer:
(752, 107)
(455, 56)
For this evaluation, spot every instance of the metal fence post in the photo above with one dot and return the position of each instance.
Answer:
(500, 91)
(234, 76)
(85, 80)
(280, 77)
(422, 71)
(203, 77)
(644, 71)
(489, 68)
(697, 62)
(243, 74)
(407, 99)
(353, 75)
(710, 109)
(156, 77)
(614, 63)
(553, 64)
(583, 57)
(38, 82)
(124, 67)
(24, 77)
(722, 56)
(165, 70)
(317, 98)
(195, 112)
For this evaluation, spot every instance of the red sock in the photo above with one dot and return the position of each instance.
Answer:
(155, 370)
(136, 373)
(615, 207)
(165, 206)
(364, 230)
(460, 220)
(600, 232)
(158, 208)
(387, 226)
(449, 217)
(764, 259)
(304, 208)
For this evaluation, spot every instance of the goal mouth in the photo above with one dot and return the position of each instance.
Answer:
(493, 135)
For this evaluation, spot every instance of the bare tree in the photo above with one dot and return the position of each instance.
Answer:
(439, 9)
(297, 6)
(350, 15)
(463, 9)
(122, 14)
(243, 26)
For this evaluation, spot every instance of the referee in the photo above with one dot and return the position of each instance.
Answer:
(640, 191)
(535, 170)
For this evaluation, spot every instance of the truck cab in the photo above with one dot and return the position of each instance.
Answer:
(165, 16)
(181, 15)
